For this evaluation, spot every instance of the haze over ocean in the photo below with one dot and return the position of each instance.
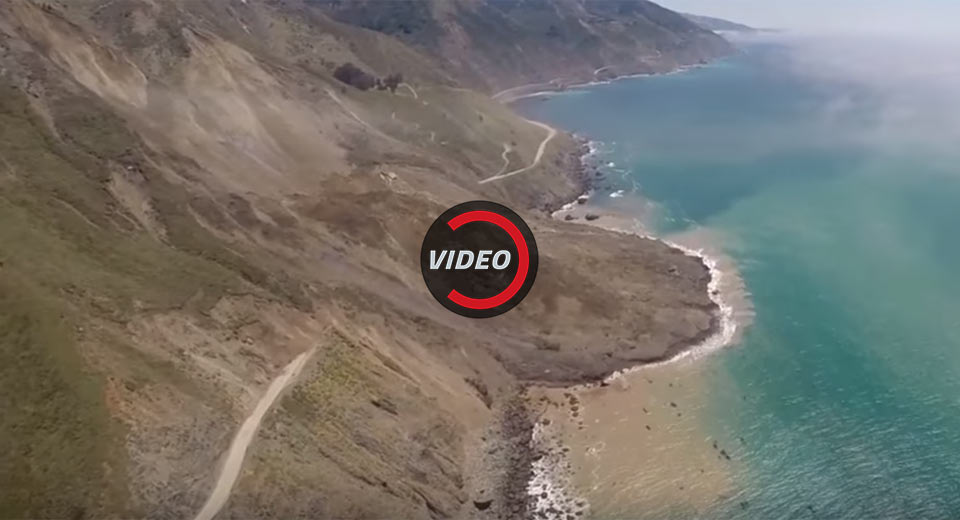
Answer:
(836, 187)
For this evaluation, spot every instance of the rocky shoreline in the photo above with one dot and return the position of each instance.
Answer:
(537, 491)
(584, 175)
(533, 461)
(551, 497)
(535, 466)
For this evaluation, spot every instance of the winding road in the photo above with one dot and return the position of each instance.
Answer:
(248, 430)
(412, 91)
(551, 133)
(506, 160)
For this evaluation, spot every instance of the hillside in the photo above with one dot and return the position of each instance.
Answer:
(189, 200)
(492, 45)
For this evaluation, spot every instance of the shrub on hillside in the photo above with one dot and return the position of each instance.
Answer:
(355, 77)
(393, 81)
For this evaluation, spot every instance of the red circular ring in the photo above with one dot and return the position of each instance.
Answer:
(522, 253)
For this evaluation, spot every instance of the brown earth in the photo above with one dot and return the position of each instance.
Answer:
(188, 200)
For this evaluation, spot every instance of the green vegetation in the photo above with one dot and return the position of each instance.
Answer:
(339, 381)
(355, 77)
(392, 81)
(71, 256)
(61, 456)
(68, 232)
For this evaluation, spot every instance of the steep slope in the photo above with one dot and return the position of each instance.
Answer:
(189, 200)
(498, 44)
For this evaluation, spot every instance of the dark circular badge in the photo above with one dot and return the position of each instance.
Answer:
(479, 259)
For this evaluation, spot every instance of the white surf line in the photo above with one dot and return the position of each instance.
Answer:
(238, 448)
(548, 485)
(551, 133)
(727, 327)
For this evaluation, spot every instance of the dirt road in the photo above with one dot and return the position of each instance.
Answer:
(248, 430)
(551, 133)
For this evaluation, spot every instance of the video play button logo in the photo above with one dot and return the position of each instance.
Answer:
(479, 259)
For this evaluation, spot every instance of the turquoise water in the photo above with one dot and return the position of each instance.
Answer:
(846, 388)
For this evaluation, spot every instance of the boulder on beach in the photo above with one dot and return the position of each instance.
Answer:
(592, 216)
(482, 505)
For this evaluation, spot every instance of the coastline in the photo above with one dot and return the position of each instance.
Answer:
(555, 86)
(525, 472)
(547, 491)
(550, 491)
(724, 326)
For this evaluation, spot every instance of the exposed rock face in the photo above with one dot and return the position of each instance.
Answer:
(189, 199)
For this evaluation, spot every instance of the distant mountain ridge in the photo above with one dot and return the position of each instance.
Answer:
(496, 44)
(718, 24)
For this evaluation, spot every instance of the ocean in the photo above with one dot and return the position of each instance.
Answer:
(835, 204)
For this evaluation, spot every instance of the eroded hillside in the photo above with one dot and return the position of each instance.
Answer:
(189, 199)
